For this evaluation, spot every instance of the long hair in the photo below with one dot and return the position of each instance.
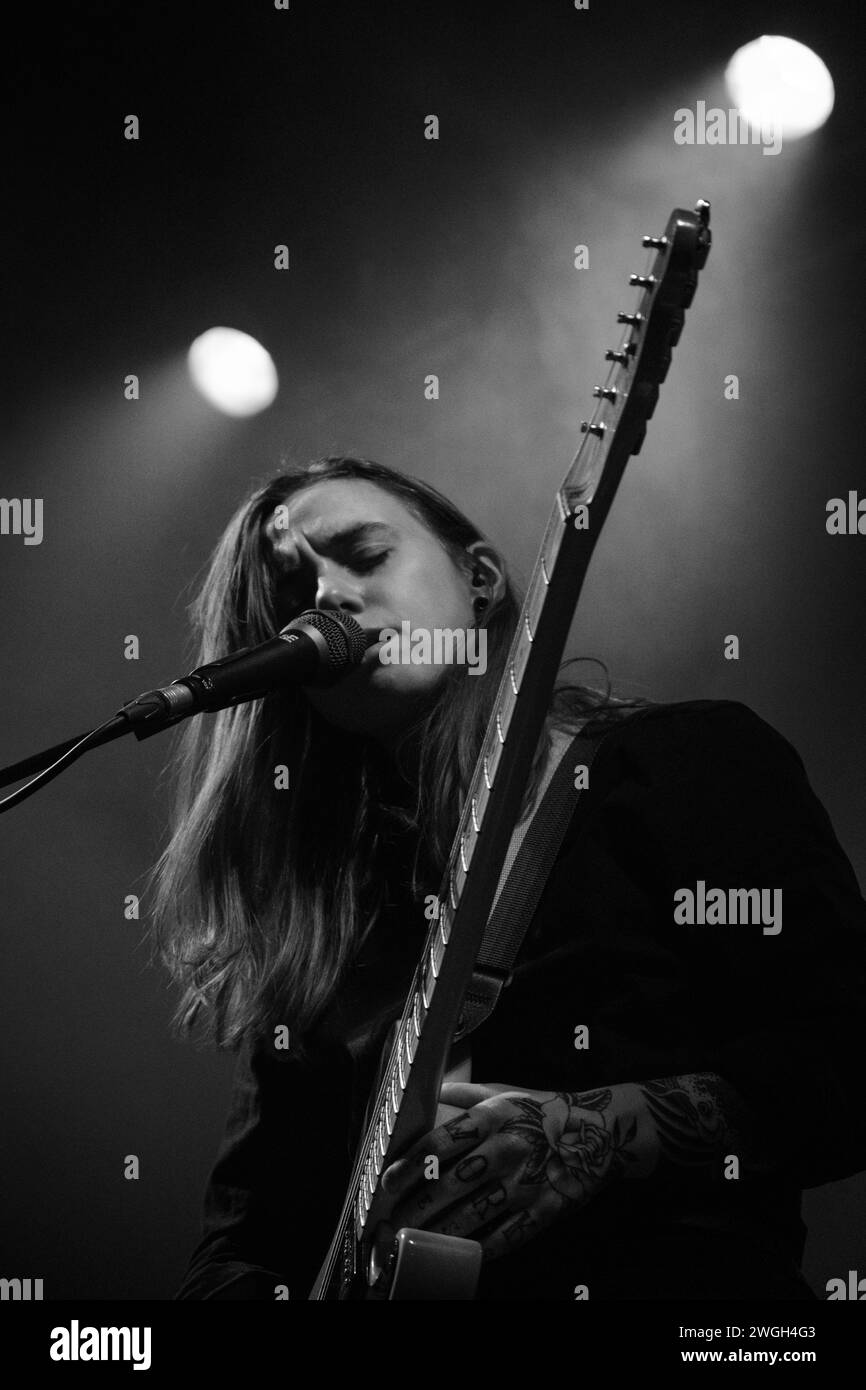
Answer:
(263, 894)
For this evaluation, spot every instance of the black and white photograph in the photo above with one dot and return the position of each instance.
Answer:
(432, 611)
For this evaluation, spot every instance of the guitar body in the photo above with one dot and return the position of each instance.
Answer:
(430, 1265)
(403, 1105)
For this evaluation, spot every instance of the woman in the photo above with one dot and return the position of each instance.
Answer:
(651, 1094)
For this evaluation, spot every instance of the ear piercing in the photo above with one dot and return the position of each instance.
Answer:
(479, 603)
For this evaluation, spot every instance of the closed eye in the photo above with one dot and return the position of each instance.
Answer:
(294, 590)
(364, 563)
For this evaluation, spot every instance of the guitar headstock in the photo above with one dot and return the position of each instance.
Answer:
(640, 363)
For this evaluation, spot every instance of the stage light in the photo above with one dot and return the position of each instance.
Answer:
(232, 371)
(779, 83)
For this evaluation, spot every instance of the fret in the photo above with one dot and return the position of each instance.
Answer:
(492, 754)
(535, 601)
(428, 984)
(396, 1095)
(417, 1021)
(437, 953)
(410, 1042)
(480, 797)
(552, 542)
(451, 893)
(458, 879)
(389, 1116)
(507, 705)
(520, 661)
(382, 1137)
(463, 853)
(444, 923)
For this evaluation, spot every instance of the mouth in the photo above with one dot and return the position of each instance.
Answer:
(371, 654)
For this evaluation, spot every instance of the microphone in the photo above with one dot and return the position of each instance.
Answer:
(313, 649)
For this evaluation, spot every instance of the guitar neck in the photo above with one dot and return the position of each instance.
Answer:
(405, 1106)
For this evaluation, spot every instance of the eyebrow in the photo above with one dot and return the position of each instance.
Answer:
(346, 536)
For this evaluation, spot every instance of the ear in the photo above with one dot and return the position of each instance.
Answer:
(490, 562)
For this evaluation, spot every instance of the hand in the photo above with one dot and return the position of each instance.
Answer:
(510, 1163)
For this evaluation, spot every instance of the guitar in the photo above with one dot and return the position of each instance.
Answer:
(425, 1264)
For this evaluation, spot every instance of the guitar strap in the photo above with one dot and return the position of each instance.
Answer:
(509, 921)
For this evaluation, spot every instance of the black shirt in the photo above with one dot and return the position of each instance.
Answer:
(703, 790)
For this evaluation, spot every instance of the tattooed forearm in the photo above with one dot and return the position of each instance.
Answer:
(576, 1143)
(699, 1122)
(524, 1158)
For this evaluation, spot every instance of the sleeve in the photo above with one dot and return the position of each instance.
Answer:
(727, 802)
(275, 1192)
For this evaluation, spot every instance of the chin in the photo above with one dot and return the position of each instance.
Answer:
(381, 703)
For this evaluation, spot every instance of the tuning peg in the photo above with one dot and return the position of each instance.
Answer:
(607, 393)
(586, 428)
(630, 318)
(611, 356)
(702, 208)
(646, 282)
(657, 241)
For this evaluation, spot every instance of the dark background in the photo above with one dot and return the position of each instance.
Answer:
(407, 257)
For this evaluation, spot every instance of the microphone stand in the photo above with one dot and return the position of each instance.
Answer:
(145, 716)
(248, 674)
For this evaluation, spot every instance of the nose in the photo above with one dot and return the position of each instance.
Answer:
(334, 591)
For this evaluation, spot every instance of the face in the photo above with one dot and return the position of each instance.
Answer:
(348, 545)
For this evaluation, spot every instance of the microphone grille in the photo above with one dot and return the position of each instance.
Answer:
(344, 637)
